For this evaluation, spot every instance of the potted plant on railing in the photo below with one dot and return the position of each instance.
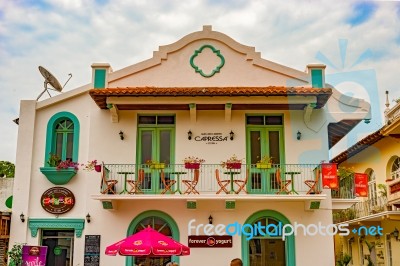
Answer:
(153, 164)
(232, 163)
(192, 162)
(264, 163)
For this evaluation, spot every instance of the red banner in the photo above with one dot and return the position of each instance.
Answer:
(361, 184)
(329, 175)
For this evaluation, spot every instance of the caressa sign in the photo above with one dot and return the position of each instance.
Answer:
(211, 138)
(57, 200)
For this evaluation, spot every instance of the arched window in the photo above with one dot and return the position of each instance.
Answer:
(159, 221)
(395, 170)
(62, 136)
(372, 195)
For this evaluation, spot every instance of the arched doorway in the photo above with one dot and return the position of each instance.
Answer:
(159, 221)
(263, 250)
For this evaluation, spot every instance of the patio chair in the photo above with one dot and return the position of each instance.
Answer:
(108, 185)
(136, 184)
(282, 183)
(222, 183)
(191, 184)
(313, 184)
(168, 183)
(242, 183)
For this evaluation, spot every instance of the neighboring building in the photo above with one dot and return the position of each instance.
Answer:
(378, 156)
(206, 96)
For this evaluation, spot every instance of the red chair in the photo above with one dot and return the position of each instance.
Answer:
(107, 185)
(313, 184)
(191, 184)
(136, 184)
(222, 183)
(282, 184)
(242, 183)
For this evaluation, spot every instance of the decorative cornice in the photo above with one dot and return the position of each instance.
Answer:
(57, 223)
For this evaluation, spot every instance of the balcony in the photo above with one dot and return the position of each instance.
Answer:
(363, 210)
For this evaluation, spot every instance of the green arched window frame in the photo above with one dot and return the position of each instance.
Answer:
(51, 135)
(290, 253)
(153, 213)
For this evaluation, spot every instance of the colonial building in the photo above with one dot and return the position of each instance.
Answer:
(378, 156)
(204, 96)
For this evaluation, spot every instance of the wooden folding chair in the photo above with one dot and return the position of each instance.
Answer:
(313, 184)
(222, 183)
(191, 184)
(108, 185)
(168, 183)
(136, 184)
(282, 184)
(242, 183)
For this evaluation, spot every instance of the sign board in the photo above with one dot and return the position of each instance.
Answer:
(92, 250)
(57, 200)
(329, 175)
(211, 138)
(204, 241)
(394, 188)
(361, 184)
(34, 255)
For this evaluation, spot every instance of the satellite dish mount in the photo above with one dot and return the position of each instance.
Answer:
(51, 79)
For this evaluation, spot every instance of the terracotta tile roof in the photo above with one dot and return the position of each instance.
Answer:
(100, 95)
(358, 147)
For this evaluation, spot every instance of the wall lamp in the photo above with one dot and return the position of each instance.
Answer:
(121, 135)
(231, 134)
(22, 217)
(210, 219)
(190, 135)
(88, 218)
(298, 135)
(395, 234)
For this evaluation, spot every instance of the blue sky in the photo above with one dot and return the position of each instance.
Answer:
(67, 36)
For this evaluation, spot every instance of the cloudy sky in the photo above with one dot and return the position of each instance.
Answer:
(67, 36)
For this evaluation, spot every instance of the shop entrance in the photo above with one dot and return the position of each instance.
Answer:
(60, 245)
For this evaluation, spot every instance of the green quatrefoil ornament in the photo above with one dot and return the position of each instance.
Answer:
(216, 69)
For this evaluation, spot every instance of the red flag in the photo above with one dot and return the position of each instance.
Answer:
(329, 175)
(361, 184)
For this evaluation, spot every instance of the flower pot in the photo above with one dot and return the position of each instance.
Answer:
(263, 165)
(157, 166)
(192, 165)
(97, 167)
(60, 176)
(233, 165)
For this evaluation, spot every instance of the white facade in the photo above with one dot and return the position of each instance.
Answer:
(170, 69)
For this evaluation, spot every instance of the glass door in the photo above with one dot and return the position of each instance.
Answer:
(263, 141)
(155, 156)
(60, 245)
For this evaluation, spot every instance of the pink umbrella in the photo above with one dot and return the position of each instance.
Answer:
(148, 242)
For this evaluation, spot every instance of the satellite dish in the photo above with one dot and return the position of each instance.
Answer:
(50, 79)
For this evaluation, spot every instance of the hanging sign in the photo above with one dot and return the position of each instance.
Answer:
(34, 255)
(57, 200)
(361, 184)
(329, 175)
(211, 138)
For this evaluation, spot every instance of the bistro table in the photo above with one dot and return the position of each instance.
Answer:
(292, 191)
(232, 173)
(126, 177)
(178, 182)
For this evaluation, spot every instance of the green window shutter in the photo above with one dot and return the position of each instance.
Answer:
(99, 78)
(316, 78)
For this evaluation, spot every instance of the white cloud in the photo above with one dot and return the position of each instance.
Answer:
(68, 36)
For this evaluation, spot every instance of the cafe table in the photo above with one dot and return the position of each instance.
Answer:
(124, 191)
(292, 174)
(178, 181)
(231, 174)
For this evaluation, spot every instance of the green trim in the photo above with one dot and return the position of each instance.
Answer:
(50, 135)
(216, 69)
(314, 205)
(230, 204)
(59, 223)
(168, 219)
(191, 205)
(290, 252)
(107, 205)
(58, 176)
(316, 78)
(99, 79)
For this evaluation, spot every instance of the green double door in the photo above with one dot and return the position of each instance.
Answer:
(156, 144)
(264, 141)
